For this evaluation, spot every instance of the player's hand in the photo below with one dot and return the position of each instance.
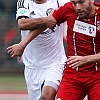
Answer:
(16, 50)
(76, 61)
(51, 22)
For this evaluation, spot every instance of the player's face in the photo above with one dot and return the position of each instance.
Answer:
(83, 7)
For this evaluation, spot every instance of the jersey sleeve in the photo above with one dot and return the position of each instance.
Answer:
(22, 9)
(60, 14)
(63, 12)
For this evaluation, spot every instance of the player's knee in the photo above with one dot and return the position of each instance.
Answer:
(48, 93)
(48, 96)
(44, 97)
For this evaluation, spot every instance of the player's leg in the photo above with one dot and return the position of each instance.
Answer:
(70, 89)
(49, 91)
(94, 90)
(34, 79)
(52, 81)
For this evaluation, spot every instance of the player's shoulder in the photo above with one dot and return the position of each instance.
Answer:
(68, 5)
(23, 3)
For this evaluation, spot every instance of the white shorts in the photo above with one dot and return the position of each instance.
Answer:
(36, 77)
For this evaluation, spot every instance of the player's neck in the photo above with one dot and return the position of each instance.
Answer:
(40, 1)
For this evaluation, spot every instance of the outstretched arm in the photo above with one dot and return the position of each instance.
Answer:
(18, 49)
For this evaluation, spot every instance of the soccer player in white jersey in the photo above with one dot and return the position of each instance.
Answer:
(44, 57)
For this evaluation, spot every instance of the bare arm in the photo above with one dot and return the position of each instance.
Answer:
(31, 35)
(34, 23)
(29, 24)
(18, 49)
(75, 61)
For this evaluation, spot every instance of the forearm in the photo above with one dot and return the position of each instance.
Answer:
(93, 58)
(74, 61)
(35, 23)
(31, 23)
(31, 35)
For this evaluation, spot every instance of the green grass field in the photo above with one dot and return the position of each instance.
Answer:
(12, 83)
(13, 87)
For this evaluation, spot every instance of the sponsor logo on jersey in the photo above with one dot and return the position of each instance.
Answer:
(84, 28)
(33, 13)
(22, 11)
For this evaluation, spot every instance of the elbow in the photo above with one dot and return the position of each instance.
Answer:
(21, 24)
(21, 27)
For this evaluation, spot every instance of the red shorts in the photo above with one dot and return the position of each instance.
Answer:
(76, 85)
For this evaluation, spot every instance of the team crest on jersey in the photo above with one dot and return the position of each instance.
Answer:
(49, 11)
(98, 25)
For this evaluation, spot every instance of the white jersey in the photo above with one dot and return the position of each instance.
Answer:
(47, 48)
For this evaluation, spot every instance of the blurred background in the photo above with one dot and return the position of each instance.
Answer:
(12, 82)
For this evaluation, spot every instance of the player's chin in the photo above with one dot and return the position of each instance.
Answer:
(80, 15)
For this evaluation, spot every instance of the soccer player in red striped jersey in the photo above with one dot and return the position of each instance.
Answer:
(82, 73)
